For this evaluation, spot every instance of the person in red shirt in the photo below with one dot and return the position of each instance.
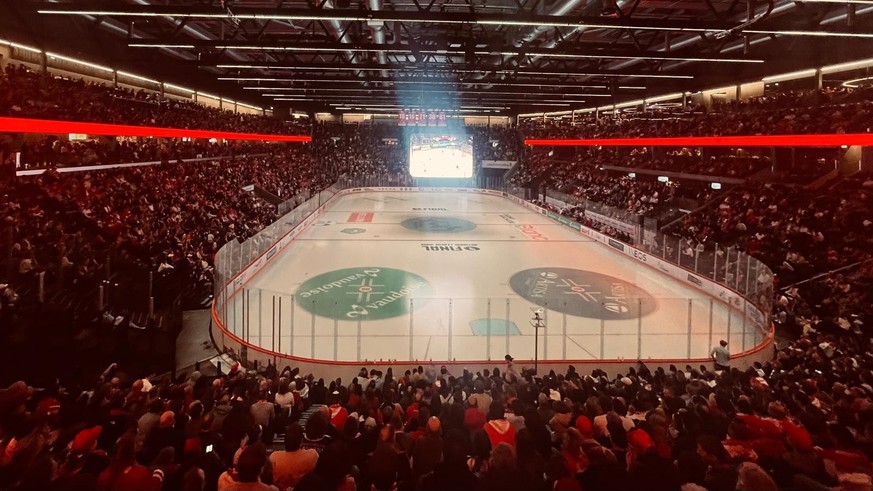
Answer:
(498, 429)
(125, 474)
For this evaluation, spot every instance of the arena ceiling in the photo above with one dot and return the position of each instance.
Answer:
(497, 56)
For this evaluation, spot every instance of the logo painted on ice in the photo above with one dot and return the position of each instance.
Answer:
(582, 293)
(438, 224)
(451, 247)
(362, 293)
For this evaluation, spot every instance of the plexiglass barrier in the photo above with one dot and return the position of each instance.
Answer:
(484, 329)
(733, 304)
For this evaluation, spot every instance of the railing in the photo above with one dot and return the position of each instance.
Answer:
(262, 324)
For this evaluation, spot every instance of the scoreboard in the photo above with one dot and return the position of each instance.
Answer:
(421, 118)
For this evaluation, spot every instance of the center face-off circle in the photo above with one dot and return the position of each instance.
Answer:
(365, 293)
(438, 224)
(582, 293)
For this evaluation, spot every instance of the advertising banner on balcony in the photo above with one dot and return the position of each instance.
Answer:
(498, 164)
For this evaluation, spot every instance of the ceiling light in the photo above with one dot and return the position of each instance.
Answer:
(416, 91)
(176, 87)
(446, 69)
(137, 77)
(389, 49)
(482, 20)
(851, 65)
(853, 84)
(665, 97)
(420, 82)
(160, 45)
(630, 103)
(789, 76)
(811, 33)
(22, 47)
(79, 62)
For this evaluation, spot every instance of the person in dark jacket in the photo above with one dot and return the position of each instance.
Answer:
(428, 450)
(452, 472)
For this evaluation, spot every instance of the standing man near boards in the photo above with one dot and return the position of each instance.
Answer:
(721, 356)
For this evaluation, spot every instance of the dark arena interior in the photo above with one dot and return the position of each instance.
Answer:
(403, 245)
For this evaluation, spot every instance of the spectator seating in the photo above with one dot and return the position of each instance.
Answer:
(803, 420)
(28, 94)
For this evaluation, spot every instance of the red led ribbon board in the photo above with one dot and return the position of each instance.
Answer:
(50, 126)
(829, 140)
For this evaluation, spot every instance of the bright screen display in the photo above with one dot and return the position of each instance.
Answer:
(441, 156)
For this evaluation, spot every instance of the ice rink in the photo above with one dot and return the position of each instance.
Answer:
(459, 276)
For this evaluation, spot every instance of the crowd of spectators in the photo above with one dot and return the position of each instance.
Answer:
(584, 178)
(52, 152)
(26, 93)
(824, 111)
(383, 149)
(801, 421)
(68, 225)
(361, 149)
(818, 243)
(799, 232)
(804, 420)
(688, 162)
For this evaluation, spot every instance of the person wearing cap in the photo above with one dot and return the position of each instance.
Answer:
(84, 462)
(721, 356)
(165, 435)
(647, 469)
(427, 450)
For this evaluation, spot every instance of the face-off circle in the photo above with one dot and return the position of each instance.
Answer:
(582, 293)
(451, 225)
(366, 293)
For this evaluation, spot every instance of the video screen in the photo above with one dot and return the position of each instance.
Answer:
(441, 156)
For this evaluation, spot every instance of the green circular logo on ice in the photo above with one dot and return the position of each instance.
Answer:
(361, 293)
(438, 224)
(582, 293)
